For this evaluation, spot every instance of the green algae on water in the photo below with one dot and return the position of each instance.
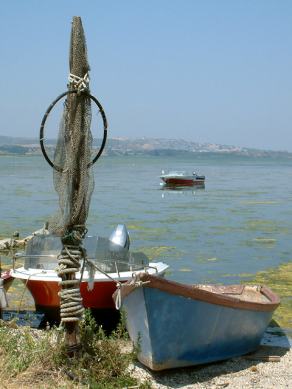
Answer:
(263, 202)
(155, 252)
(266, 225)
(148, 232)
(280, 281)
(269, 241)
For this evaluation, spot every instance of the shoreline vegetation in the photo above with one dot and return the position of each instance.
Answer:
(144, 146)
(32, 358)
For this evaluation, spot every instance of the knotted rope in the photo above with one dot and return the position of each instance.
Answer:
(135, 281)
(79, 83)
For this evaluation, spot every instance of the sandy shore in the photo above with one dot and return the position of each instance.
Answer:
(253, 371)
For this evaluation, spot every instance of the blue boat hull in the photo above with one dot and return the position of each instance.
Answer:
(175, 331)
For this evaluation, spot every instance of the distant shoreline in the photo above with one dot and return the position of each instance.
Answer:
(173, 153)
(145, 147)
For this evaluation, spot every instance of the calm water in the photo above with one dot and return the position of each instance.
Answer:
(239, 224)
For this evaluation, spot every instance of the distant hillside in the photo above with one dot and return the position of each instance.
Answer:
(141, 146)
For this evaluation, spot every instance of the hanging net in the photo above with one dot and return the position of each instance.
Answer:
(73, 177)
(73, 180)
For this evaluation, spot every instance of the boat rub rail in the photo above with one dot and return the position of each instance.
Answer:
(233, 296)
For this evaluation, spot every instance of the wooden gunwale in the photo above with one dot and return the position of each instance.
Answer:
(195, 293)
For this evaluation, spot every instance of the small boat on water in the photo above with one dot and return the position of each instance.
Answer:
(109, 262)
(182, 178)
(178, 325)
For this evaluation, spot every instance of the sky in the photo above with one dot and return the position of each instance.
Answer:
(207, 71)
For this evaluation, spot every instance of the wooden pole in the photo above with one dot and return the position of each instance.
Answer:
(77, 201)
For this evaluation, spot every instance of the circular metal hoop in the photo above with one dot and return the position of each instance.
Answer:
(42, 128)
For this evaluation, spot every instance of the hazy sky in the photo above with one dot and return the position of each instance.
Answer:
(209, 71)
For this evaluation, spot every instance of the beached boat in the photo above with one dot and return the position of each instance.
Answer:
(109, 262)
(182, 178)
(180, 325)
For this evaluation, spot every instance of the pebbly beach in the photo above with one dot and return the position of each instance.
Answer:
(259, 370)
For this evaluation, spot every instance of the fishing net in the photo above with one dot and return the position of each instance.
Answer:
(73, 178)
(73, 181)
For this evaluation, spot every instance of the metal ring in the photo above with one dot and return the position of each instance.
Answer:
(42, 128)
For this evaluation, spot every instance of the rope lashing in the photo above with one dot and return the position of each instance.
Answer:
(71, 307)
(79, 83)
(135, 282)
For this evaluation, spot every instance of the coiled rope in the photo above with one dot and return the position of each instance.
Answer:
(71, 307)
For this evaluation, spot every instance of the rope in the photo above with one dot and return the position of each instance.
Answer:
(135, 282)
(100, 270)
(91, 266)
(23, 292)
(71, 307)
(118, 299)
(79, 83)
